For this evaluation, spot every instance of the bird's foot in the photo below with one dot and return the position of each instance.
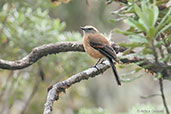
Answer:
(102, 62)
(95, 66)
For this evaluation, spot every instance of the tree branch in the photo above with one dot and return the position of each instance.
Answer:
(39, 52)
(55, 90)
(44, 50)
(54, 48)
(59, 87)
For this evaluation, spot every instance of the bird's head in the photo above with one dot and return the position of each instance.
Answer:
(89, 29)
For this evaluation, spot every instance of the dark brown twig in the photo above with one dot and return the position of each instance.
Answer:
(41, 72)
(150, 96)
(163, 96)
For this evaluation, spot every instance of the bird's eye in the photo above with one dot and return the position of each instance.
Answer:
(90, 29)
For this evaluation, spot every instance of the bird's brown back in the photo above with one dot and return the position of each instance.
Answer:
(99, 38)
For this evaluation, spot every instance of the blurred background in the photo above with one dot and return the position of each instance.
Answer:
(31, 23)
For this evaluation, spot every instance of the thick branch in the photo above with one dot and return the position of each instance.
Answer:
(54, 48)
(44, 50)
(39, 52)
(59, 87)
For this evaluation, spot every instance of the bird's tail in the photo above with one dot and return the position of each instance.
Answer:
(114, 71)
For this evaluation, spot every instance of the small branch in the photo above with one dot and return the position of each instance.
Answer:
(163, 96)
(60, 87)
(150, 96)
(41, 72)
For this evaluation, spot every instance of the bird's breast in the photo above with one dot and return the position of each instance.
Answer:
(90, 50)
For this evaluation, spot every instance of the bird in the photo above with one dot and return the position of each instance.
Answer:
(97, 46)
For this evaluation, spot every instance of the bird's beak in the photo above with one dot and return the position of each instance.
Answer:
(82, 28)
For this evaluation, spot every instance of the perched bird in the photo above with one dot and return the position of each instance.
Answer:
(97, 46)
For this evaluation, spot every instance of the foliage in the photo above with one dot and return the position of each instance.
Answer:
(28, 24)
(148, 31)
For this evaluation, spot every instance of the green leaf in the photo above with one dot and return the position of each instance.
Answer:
(122, 66)
(168, 20)
(163, 29)
(120, 10)
(112, 20)
(146, 12)
(159, 43)
(140, 13)
(146, 66)
(129, 10)
(147, 51)
(151, 18)
(162, 22)
(148, 16)
(153, 13)
(123, 32)
(169, 38)
(136, 24)
(131, 45)
(138, 69)
(167, 57)
(151, 33)
(137, 39)
(139, 62)
(156, 14)
(128, 51)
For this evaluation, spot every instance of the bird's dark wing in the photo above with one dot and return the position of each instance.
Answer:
(100, 43)
(109, 53)
(105, 49)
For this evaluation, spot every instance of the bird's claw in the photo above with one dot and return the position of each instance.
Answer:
(97, 69)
